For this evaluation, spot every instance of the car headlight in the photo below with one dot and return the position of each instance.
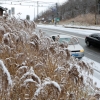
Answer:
(82, 50)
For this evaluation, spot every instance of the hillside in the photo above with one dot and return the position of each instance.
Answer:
(78, 11)
(87, 19)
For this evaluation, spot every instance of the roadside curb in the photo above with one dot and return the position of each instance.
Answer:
(80, 28)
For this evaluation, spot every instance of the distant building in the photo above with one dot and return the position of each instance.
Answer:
(1, 10)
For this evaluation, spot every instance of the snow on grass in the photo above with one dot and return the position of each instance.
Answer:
(46, 82)
(96, 66)
(3, 67)
(31, 73)
(29, 80)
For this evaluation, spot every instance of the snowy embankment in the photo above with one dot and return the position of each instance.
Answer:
(95, 65)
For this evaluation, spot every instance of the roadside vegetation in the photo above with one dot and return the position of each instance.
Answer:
(77, 11)
(34, 67)
(87, 19)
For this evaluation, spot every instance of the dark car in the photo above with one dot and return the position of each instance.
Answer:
(93, 39)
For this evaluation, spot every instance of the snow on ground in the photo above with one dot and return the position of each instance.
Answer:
(96, 66)
(80, 31)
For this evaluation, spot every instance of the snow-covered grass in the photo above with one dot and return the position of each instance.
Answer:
(38, 67)
(87, 32)
(96, 66)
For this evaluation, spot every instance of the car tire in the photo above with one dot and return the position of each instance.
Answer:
(88, 43)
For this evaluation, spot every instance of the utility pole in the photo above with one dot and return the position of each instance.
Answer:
(56, 9)
(37, 9)
(57, 13)
(34, 13)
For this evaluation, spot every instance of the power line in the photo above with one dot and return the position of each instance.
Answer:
(27, 1)
(25, 5)
(37, 9)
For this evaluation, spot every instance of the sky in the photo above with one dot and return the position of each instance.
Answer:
(22, 11)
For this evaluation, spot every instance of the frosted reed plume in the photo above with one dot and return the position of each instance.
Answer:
(34, 67)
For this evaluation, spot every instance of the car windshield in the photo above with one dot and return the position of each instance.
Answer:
(64, 39)
(70, 41)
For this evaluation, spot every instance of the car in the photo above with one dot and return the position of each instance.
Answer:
(74, 47)
(93, 39)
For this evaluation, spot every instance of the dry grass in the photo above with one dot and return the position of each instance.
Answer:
(87, 19)
(39, 68)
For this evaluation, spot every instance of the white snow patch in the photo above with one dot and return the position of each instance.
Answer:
(22, 67)
(3, 67)
(31, 73)
(29, 80)
(54, 83)
(47, 81)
